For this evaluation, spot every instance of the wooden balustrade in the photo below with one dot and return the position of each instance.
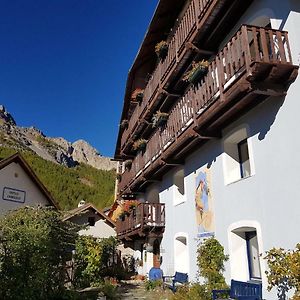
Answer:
(250, 46)
(146, 216)
(176, 43)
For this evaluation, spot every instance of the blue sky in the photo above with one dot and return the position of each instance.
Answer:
(64, 63)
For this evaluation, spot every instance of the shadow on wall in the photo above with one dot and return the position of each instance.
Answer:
(262, 118)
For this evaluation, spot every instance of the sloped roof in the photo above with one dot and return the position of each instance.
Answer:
(162, 21)
(17, 158)
(88, 206)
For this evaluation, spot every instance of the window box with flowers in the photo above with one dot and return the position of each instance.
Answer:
(159, 119)
(124, 124)
(140, 145)
(161, 49)
(128, 164)
(197, 71)
(137, 95)
(119, 177)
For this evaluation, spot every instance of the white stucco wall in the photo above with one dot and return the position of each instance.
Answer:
(13, 177)
(269, 199)
(100, 230)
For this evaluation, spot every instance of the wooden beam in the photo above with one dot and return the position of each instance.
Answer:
(204, 136)
(268, 89)
(162, 90)
(148, 180)
(143, 121)
(190, 45)
(172, 163)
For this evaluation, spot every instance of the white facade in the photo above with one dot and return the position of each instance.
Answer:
(101, 228)
(259, 211)
(19, 189)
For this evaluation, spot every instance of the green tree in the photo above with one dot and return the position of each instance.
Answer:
(94, 259)
(34, 246)
(210, 261)
(284, 271)
(70, 185)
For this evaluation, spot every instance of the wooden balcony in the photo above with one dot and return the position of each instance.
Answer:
(147, 219)
(255, 64)
(195, 22)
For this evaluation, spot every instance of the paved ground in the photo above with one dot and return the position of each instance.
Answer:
(134, 290)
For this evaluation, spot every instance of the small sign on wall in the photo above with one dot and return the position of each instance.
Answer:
(10, 194)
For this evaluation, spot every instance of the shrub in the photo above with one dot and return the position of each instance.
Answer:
(284, 271)
(34, 247)
(109, 290)
(94, 260)
(152, 284)
(210, 261)
(193, 291)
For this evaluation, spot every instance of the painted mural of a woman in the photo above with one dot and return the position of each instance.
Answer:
(203, 214)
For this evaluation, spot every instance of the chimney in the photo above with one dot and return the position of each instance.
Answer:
(81, 203)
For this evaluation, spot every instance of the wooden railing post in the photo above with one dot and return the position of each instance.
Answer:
(246, 50)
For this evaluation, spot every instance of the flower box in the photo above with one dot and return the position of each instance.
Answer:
(161, 49)
(140, 145)
(159, 119)
(137, 95)
(198, 70)
(128, 164)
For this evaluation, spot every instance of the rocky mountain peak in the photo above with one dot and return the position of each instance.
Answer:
(56, 149)
(6, 117)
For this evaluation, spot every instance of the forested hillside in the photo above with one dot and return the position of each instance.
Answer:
(70, 185)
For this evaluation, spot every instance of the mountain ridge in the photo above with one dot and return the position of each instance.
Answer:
(55, 149)
(66, 169)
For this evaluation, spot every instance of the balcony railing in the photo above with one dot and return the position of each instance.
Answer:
(181, 33)
(250, 49)
(145, 217)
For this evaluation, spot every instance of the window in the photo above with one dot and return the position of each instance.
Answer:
(237, 162)
(244, 158)
(91, 221)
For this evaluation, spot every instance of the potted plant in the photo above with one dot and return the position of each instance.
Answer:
(119, 177)
(124, 124)
(137, 95)
(128, 164)
(159, 119)
(139, 145)
(122, 216)
(197, 71)
(133, 204)
(161, 49)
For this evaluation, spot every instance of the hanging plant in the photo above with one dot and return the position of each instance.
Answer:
(122, 215)
(124, 124)
(197, 71)
(159, 119)
(139, 145)
(128, 164)
(119, 177)
(133, 204)
(137, 95)
(161, 49)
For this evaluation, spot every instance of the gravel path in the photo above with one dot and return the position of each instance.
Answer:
(134, 290)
